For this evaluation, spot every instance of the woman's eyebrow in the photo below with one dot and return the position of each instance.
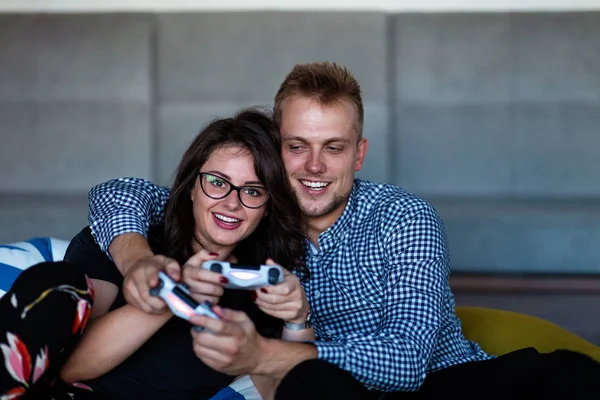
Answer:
(223, 175)
(253, 183)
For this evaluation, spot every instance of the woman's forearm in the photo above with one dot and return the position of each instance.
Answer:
(109, 340)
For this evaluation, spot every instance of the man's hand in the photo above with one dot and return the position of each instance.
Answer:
(204, 285)
(286, 300)
(142, 275)
(230, 345)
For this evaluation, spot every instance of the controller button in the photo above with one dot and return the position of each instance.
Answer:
(154, 291)
(216, 267)
(273, 276)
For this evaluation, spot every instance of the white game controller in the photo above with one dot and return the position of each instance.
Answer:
(246, 276)
(178, 298)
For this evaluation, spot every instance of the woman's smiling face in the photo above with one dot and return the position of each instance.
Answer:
(221, 224)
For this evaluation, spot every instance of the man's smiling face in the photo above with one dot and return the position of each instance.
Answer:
(321, 152)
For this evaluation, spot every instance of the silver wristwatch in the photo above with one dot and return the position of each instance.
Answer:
(301, 325)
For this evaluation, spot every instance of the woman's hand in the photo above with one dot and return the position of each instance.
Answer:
(286, 300)
(203, 285)
(141, 276)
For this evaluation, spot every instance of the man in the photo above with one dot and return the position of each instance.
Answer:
(380, 301)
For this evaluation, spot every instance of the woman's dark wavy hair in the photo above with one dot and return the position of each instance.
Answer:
(278, 235)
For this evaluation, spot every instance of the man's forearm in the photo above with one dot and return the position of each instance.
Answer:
(298, 336)
(127, 248)
(279, 357)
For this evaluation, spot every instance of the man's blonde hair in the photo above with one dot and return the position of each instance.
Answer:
(327, 83)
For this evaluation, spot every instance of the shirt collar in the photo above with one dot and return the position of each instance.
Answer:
(342, 226)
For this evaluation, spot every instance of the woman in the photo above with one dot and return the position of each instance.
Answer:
(230, 198)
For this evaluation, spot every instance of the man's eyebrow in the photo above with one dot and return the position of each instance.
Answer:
(296, 138)
(222, 175)
(328, 141)
(340, 140)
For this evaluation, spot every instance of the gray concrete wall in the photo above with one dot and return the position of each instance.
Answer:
(494, 118)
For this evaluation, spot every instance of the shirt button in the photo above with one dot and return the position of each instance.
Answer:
(317, 294)
(330, 332)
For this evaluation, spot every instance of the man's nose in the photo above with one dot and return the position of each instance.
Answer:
(315, 164)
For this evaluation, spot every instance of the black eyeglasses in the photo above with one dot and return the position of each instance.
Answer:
(217, 188)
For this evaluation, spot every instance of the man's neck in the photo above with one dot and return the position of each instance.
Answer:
(313, 233)
(317, 225)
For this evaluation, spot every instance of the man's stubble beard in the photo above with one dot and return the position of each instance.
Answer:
(334, 204)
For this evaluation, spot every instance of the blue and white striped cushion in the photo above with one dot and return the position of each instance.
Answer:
(15, 257)
(241, 389)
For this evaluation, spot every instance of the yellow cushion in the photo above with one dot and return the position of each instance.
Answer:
(499, 332)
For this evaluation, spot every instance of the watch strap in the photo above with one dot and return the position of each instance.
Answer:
(300, 325)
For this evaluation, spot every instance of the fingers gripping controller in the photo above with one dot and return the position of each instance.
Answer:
(178, 298)
(246, 276)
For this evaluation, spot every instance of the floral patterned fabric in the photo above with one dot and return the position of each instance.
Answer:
(42, 318)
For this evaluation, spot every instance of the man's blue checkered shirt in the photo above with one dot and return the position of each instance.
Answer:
(378, 286)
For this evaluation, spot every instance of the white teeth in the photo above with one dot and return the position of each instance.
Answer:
(227, 219)
(314, 185)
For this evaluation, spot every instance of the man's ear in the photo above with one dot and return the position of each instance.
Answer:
(361, 152)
